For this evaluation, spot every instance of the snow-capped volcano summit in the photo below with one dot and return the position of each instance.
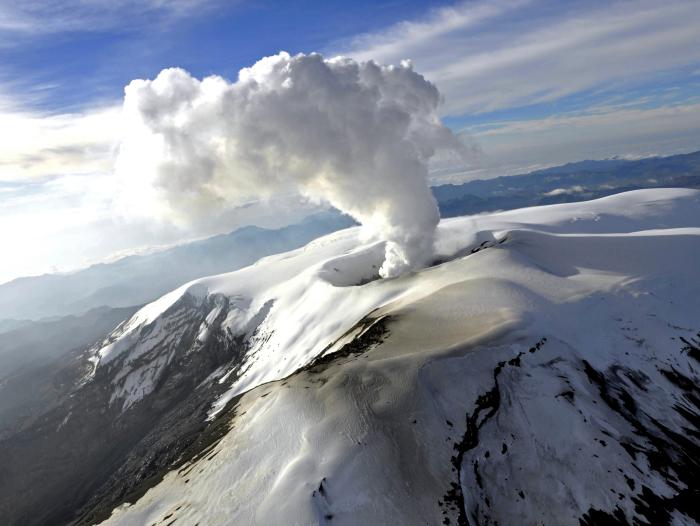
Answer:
(294, 307)
(542, 371)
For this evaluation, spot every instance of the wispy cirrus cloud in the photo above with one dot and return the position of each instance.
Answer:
(36, 17)
(625, 130)
(409, 38)
(612, 120)
(488, 56)
(540, 82)
(38, 145)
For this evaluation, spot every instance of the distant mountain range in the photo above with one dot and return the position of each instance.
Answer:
(135, 280)
(580, 181)
(138, 279)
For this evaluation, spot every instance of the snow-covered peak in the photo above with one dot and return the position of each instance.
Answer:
(542, 370)
(291, 307)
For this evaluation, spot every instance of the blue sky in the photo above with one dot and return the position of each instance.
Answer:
(84, 63)
(532, 83)
(68, 57)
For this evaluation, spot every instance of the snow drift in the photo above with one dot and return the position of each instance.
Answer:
(356, 135)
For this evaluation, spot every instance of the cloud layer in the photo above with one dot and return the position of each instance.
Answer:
(355, 135)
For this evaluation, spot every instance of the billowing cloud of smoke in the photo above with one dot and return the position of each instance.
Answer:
(355, 135)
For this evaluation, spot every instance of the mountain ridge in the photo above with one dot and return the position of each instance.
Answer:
(296, 389)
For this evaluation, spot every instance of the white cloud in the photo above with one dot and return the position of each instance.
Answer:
(68, 222)
(39, 17)
(493, 55)
(410, 38)
(355, 135)
(520, 146)
(58, 207)
(37, 145)
(561, 191)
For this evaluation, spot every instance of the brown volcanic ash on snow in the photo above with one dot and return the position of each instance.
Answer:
(355, 135)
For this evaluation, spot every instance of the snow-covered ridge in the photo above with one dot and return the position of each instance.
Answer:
(291, 306)
(543, 372)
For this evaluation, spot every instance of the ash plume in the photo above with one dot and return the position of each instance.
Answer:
(353, 134)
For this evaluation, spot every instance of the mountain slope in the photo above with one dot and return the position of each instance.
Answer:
(543, 370)
(139, 279)
(522, 367)
(37, 361)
